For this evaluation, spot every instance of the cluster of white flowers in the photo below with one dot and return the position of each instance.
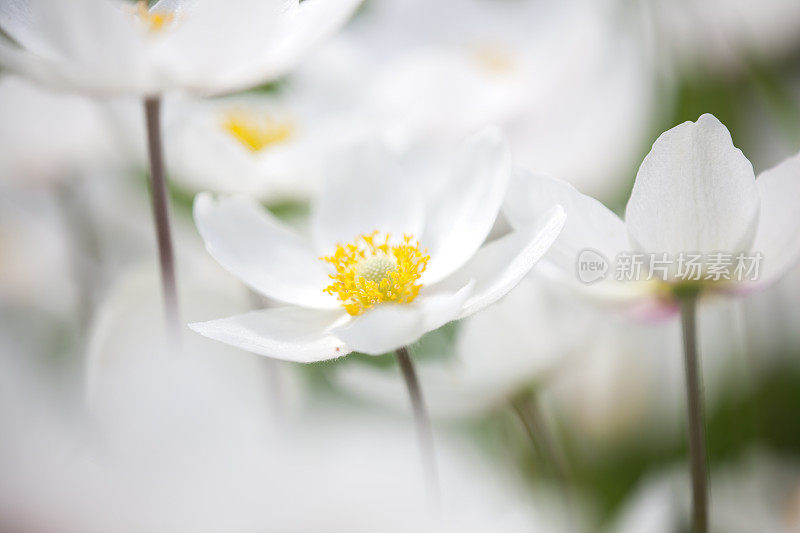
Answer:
(432, 189)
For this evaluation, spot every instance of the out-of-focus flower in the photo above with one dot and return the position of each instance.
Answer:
(201, 46)
(411, 263)
(696, 204)
(183, 440)
(570, 88)
(47, 137)
(272, 147)
(720, 34)
(758, 493)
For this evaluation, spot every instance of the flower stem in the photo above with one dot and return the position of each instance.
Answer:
(697, 450)
(160, 201)
(422, 421)
(527, 409)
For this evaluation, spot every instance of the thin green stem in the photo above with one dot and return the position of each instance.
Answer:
(694, 403)
(421, 420)
(160, 200)
(529, 413)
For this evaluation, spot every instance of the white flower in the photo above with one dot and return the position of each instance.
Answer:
(570, 89)
(426, 266)
(525, 340)
(695, 194)
(272, 147)
(203, 46)
(48, 137)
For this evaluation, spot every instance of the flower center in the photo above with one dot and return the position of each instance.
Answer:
(154, 20)
(256, 133)
(372, 271)
(492, 58)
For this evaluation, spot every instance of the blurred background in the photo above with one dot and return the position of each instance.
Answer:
(104, 428)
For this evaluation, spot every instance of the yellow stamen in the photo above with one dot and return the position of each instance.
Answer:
(372, 271)
(155, 21)
(493, 58)
(256, 133)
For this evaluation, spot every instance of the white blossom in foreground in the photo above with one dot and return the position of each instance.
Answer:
(697, 220)
(415, 257)
(203, 46)
(524, 341)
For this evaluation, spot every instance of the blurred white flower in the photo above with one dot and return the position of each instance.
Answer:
(273, 147)
(571, 88)
(201, 46)
(759, 492)
(48, 137)
(415, 261)
(720, 34)
(184, 441)
(694, 194)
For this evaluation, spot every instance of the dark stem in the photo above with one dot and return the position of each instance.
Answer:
(697, 450)
(160, 200)
(422, 421)
(527, 409)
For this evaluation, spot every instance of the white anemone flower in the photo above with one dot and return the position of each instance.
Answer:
(412, 260)
(521, 343)
(269, 146)
(571, 89)
(201, 46)
(695, 199)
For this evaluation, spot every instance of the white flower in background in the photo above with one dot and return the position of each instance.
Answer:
(203, 46)
(571, 90)
(694, 194)
(273, 147)
(48, 137)
(759, 492)
(388, 261)
(719, 34)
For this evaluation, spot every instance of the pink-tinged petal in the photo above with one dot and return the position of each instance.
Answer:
(288, 333)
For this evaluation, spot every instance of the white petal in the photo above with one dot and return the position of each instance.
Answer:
(288, 333)
(461, 218)
(778, 235)
(499, 265)
(695, 192)
(364, 191)
(388, 327)
(589, 225)
(252, 245)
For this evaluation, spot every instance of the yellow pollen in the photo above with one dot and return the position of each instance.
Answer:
(256, 133)
(371, 271)
(155, 21)
(493, 58)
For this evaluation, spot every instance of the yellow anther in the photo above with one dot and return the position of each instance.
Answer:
(258, 132)
(372, 271)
